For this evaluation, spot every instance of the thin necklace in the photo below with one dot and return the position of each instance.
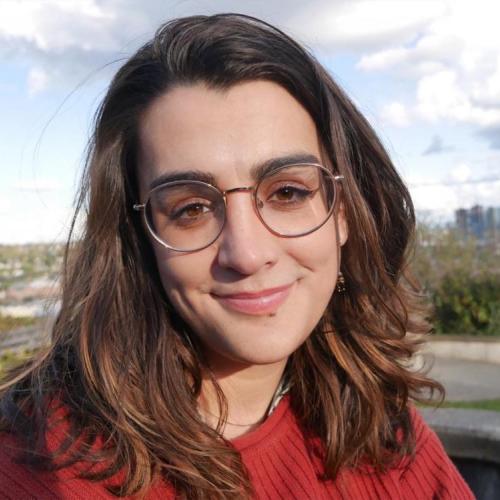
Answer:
(234, 423)
(281, 390)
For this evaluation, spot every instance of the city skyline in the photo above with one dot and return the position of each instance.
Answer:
(481, 223)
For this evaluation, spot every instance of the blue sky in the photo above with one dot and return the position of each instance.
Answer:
(426, 73)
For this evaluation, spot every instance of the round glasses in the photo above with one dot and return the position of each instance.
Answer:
(291, 201)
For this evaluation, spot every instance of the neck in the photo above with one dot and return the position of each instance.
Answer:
(248, 390)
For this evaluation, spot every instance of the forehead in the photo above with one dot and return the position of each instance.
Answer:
(226, 133)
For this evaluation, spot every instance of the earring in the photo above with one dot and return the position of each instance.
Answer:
(340, 287)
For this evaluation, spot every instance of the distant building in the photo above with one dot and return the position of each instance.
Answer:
(32, 309)
(461, 218)
(40, 288)
(478, 222)
(493, 223)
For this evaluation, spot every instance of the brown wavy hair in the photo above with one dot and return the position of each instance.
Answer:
(125, 367)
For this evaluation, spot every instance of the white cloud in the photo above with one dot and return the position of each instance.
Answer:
(43, 225)
(464, 185)
(455, 63)
(438, 95)
(485, 194)
(6, 205)
(38, 185)
(384, 59)
(361, 24)
(68, 40)
(433, 197)
(461, 173)
(396, 114)
(445, 199)
(443, 95)
(492, 135)
(431, 52)
(72, 38)
(54, 25)
(30, 217)
(437, 146)
(425, 35)
(449, 48)
(38, 80)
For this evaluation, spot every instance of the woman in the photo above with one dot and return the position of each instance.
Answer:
(237, 317)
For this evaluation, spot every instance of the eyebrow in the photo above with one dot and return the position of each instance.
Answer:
(256, 172)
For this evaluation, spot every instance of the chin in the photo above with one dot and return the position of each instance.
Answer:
(258, 349)
(264, 358)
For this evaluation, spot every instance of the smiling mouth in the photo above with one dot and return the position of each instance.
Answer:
(255, 303)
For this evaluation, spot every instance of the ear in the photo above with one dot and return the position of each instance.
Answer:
(341, 223)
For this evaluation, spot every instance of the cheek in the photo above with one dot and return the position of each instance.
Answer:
(320, 257)
(181, 273)
(318, 251)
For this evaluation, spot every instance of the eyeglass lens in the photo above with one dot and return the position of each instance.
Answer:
(291, 201)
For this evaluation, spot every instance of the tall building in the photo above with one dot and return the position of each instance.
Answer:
(461, 221)
(478, 222)
(493, 223)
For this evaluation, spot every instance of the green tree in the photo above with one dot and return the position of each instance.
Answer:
(467, 304)
(461, 279)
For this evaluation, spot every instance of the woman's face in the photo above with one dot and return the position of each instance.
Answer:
(252, 297)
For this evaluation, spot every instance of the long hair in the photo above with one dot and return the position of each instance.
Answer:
(124, 372)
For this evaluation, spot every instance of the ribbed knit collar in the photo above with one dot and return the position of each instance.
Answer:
(270, 427)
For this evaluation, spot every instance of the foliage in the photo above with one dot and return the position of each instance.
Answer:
(483, 404)
(8, 323)
(26, 262)
(10, 359)
(470, 305)
(461, 278)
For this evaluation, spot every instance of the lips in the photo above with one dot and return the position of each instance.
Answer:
(255, 303)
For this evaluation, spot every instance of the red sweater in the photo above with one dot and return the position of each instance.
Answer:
(279, 465)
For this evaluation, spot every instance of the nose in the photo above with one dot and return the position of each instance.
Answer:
(245, 244)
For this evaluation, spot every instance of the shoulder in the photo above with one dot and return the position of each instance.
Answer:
(430, 470)
(19, 481)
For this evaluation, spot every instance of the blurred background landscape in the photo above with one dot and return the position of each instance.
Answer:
(425, 73)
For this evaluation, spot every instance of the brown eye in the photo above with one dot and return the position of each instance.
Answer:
(191, 211)
(285, 194)
(289, 194)
(194, 210)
